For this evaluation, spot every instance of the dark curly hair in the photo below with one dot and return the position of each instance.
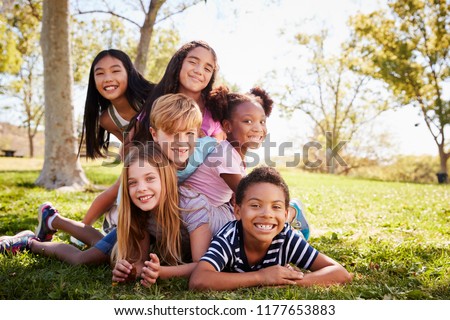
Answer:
(261, 175)
(170, 83)
(222, 102)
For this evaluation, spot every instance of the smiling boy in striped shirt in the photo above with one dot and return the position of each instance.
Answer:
(259, 248)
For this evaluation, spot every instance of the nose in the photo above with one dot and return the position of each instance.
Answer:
(258, 127)
(266, 211)
(198, 69)
(142, 186)
(107, 77)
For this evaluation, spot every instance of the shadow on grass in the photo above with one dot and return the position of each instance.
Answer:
(24, 179)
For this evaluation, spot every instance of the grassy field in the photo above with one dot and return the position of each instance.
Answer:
(394, 237)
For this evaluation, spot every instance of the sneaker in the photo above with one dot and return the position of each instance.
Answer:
(45, 211)
(16, 243)
(299, 222)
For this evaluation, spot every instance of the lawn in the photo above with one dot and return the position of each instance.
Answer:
(394, 237)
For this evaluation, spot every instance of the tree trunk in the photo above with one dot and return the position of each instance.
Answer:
(30, 143)
(443, 157)
(61, 166)
(146, 35)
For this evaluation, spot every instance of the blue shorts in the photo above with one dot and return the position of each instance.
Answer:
(106, 244)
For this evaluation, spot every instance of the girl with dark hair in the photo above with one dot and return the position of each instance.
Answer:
(116, 92)
(191, 71)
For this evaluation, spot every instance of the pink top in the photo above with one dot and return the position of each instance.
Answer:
(209, 126)
(206, 179)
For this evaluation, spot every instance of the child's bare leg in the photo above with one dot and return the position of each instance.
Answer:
(68, 253)
(79, 230)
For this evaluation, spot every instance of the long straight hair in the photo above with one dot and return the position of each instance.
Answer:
(130, 230)
(138, 89)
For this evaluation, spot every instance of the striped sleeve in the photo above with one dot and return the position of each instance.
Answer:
(219, 253)
(298, 251)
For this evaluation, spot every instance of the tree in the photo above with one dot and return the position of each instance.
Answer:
(152, 15)
(21, 62)
(407, 46)
(338, 101)
(61, 166)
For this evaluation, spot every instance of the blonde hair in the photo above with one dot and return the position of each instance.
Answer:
(172, 113)
(130, 230)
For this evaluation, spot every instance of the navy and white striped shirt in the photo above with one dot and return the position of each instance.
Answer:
(226, 251)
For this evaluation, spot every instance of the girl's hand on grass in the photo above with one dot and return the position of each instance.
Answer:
(151, 271)
(279, 275)
(121, 271)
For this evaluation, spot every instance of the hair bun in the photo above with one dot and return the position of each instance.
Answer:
(262, 94)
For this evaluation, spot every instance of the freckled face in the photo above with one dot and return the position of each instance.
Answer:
(144, 185)
(196, 71)
(177, 146)
(111, 78)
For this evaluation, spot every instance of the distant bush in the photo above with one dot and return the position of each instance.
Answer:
(418, 169)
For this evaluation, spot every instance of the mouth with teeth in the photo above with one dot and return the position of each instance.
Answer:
(264, 227)
(180, 151)
(145, 198)
(255, 139)
(110, 88)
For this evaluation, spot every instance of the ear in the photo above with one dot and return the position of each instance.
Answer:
(154, 134)
(226, 124)
(237, 212)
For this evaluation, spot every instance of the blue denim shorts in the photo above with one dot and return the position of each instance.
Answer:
(106, 244)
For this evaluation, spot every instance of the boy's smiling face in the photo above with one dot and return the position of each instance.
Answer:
(177, 146)
(262, 211)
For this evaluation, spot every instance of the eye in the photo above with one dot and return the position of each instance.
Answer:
(208, 70)
(263, 121)
(277, 207)
(98, 73)
(247, 121)
(149, 179)
(131, 183)
(254, 205)
(191, 133)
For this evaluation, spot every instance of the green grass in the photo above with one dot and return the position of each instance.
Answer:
(394, 237)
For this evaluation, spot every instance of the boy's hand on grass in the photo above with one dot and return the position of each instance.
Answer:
(123, 271)
(279, 275)
(151, 270)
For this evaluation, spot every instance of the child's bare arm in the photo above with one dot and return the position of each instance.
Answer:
(200, 240)
(101, 203)
(232, 180)
(325, 271)
(205, 277)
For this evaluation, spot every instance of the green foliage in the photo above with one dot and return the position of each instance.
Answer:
(164, 44)
(418, 169)
(337, 100)
(394, 238)
(407, 47)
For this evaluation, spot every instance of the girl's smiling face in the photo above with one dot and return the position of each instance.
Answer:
(144, 185)
(247, 126)
(111, 78)
(196, 71)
